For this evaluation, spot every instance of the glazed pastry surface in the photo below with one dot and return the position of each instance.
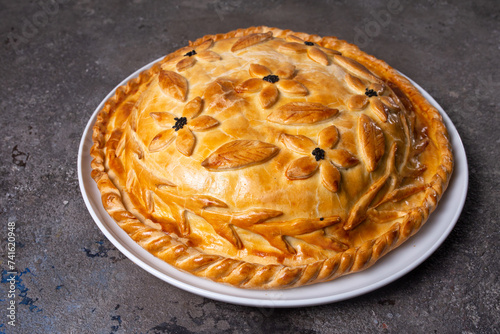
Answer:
(264, 158)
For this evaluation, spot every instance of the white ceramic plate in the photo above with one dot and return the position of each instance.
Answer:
(391, 267)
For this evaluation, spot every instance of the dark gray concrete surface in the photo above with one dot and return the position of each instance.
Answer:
(55, 68)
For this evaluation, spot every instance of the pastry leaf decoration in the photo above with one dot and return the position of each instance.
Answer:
(355, 83)
(256, 220)
(301, 113)
(240, 153)
(162, 140)
(185, 63)
(173, 84)
(321, 239)
(403, 192)
(268, 96)
(372, 142)
(318, 56)
(246, 41)
(223, 222)
(275, 232)
(354, 67)
(358, 212)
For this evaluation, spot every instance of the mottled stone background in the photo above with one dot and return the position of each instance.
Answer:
(58, 62)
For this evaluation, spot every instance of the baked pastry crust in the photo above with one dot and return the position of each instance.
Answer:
(265, 158)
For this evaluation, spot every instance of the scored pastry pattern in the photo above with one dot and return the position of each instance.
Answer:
(391, 185)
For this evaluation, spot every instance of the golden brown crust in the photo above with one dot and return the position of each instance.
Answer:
(422, 127)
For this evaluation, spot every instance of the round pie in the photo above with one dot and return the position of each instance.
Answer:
(266, 158)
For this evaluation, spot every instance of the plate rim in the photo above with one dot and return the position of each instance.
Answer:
(273, 300)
